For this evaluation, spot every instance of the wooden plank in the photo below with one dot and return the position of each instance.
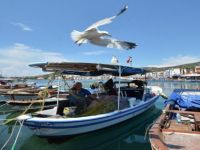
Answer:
(183, 112)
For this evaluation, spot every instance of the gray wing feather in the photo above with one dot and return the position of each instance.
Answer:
(113, 43)
(101, 22)
(107, 20)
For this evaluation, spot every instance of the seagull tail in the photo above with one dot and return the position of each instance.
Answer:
(77, 37)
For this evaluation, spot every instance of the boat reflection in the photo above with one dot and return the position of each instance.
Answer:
(120, 136)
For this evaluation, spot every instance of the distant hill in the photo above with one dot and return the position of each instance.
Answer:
(157, 69)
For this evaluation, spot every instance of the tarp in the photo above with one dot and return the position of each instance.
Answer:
(88, 69)
(185, 98)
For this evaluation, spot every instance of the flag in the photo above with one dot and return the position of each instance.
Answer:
(130, 60)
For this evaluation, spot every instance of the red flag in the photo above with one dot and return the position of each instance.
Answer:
(130, 59)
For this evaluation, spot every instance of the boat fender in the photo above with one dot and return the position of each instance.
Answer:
(23, 117)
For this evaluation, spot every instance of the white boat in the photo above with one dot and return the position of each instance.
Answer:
(47, 123)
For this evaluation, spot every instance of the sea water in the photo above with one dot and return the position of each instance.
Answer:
(128, 135)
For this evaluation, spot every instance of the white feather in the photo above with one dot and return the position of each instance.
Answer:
(76, 35)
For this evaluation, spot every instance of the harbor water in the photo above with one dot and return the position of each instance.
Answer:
(129, 135)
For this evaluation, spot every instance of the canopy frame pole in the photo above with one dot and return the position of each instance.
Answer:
(119, 90)
(58, 92)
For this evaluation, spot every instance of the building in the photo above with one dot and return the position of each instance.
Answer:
(197, 69)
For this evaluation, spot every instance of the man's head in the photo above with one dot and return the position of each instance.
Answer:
(77, 86)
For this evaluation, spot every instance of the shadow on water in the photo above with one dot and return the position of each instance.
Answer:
(125, 135)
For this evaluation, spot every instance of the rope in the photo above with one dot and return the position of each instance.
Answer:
(9, 136)
(43, 94)
(65, 83)
(2, 105)
(42, 106)
(9, 120)
(163, 95)
(4, 119)
(13, 146)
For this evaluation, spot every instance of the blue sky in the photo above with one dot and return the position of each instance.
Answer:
(167, 32)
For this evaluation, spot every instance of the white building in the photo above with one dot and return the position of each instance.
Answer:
(172, 72)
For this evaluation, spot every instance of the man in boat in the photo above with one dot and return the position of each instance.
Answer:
(79, 97)
(109, 87)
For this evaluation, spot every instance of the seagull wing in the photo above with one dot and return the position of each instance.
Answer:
(107, 20)
(113, 43)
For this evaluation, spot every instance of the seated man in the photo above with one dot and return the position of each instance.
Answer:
(109, 87)
(79, 97)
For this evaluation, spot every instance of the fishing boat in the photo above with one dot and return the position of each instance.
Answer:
(128, 100)
(178, 127)
(8, 85)
(34, 95)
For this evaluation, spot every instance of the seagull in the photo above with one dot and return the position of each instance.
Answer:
(101, 38)
(114, 60)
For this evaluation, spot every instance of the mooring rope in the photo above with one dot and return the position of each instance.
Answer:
(14, 144)
(9, 120)
(2, 105)
(9, 136)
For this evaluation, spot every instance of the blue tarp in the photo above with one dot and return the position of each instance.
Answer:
(185, 98)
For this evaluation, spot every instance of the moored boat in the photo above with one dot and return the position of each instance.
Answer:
(128, 101)
(178, 127)
(8, 85)
(46, 101)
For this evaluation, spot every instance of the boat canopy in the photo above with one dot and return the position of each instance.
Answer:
(88, 69)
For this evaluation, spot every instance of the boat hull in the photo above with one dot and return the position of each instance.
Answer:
(48, 127)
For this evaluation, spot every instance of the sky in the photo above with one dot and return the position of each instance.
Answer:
(167, 32)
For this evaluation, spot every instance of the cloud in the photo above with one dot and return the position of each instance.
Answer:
(177, 60)
(22, 26)
(94, 53)
(16, 58)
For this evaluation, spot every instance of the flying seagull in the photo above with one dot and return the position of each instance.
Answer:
(101, 38)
